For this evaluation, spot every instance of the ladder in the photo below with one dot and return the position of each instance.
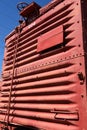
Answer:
(7, 111)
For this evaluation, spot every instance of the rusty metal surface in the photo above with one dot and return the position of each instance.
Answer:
(49, 88)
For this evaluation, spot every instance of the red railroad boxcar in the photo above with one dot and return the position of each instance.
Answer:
(45, 68)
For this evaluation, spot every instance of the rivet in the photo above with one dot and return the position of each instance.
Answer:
(82, 96)
(80, 64)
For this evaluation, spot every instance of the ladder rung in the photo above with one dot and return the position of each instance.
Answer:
(3, 111)
(3, 106)
(6, 75)
(4, 93)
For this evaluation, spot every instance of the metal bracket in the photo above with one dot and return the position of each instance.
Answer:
(81, 77)
(66, 115)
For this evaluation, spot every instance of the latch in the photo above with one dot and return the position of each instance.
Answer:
(81, 77)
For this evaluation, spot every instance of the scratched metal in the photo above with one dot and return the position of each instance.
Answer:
(49, 85)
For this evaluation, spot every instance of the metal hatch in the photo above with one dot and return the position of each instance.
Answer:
(29, 11)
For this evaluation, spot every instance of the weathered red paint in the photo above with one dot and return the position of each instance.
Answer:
(49, 81)
(29, 9)
(50, 39)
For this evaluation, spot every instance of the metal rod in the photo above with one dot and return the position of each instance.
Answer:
(17, 31)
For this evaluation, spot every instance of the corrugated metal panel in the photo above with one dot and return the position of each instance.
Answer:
(48, 88)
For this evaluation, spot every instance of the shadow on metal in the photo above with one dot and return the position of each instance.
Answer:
(24, 128)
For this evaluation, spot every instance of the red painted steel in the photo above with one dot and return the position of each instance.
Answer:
(29, 9)
(48, 90)
(50, 39)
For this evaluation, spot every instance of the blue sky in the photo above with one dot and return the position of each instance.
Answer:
(9, 17)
